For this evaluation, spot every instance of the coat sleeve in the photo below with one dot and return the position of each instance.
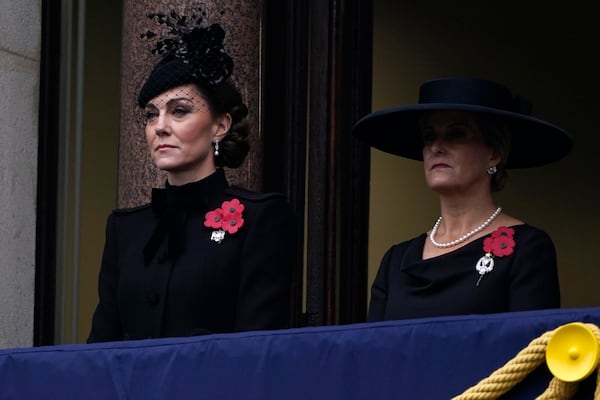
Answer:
(106, 324)
(267, 263)
(379, 290)
(534, 280)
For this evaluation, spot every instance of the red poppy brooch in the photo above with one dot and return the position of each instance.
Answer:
(225, 219)
(499, 244)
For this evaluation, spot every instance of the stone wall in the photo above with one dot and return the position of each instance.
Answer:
(20, 44)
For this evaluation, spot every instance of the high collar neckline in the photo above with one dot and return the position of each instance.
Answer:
(173, 205)
(190, 195)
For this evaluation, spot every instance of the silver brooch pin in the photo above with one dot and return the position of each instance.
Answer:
(218, 236)
(484, 265)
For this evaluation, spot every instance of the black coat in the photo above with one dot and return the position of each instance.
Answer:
(162, 275)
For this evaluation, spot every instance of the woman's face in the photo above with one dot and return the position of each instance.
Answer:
(455, 155)
(180, 130)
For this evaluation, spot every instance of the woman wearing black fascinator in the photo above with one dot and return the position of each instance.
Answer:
(476, 258)
(203, 256)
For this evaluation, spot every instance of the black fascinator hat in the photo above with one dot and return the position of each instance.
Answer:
(190, 53)
(534, 142)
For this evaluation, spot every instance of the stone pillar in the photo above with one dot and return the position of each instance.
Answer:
(20, 47)
(241, 21)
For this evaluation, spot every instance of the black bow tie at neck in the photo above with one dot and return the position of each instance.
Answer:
(171, 224)
(173, 205)
(172, 218)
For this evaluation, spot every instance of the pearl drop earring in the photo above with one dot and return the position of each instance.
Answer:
(217, 148)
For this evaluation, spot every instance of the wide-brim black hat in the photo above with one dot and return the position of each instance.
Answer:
(534, 142)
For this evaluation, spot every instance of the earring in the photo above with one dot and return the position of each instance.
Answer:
(217, 148)
(492, 170)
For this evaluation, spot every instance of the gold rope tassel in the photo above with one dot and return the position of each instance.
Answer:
(527, 360)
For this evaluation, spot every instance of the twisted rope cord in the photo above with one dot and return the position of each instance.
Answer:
(505, 378)
(513, 372)
(559, 390)
(597, 391)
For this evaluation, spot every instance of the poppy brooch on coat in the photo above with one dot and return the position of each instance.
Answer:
(225, 219)
(499, 244)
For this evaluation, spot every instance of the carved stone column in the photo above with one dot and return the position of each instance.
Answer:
(241, 20)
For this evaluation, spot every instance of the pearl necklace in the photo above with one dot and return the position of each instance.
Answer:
(463, 237)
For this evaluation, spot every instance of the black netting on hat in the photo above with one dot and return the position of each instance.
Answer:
(190, 53)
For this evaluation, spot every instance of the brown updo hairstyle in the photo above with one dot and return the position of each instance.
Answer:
(498, 136)
(222, 99)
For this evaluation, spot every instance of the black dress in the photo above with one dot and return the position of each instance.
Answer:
(164, 274)
(406, 286)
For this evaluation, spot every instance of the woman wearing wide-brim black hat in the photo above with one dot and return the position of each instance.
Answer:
(476, 258)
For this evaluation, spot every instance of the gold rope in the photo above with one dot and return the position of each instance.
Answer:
(513, 372)
(558, 390)
(597, 392)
